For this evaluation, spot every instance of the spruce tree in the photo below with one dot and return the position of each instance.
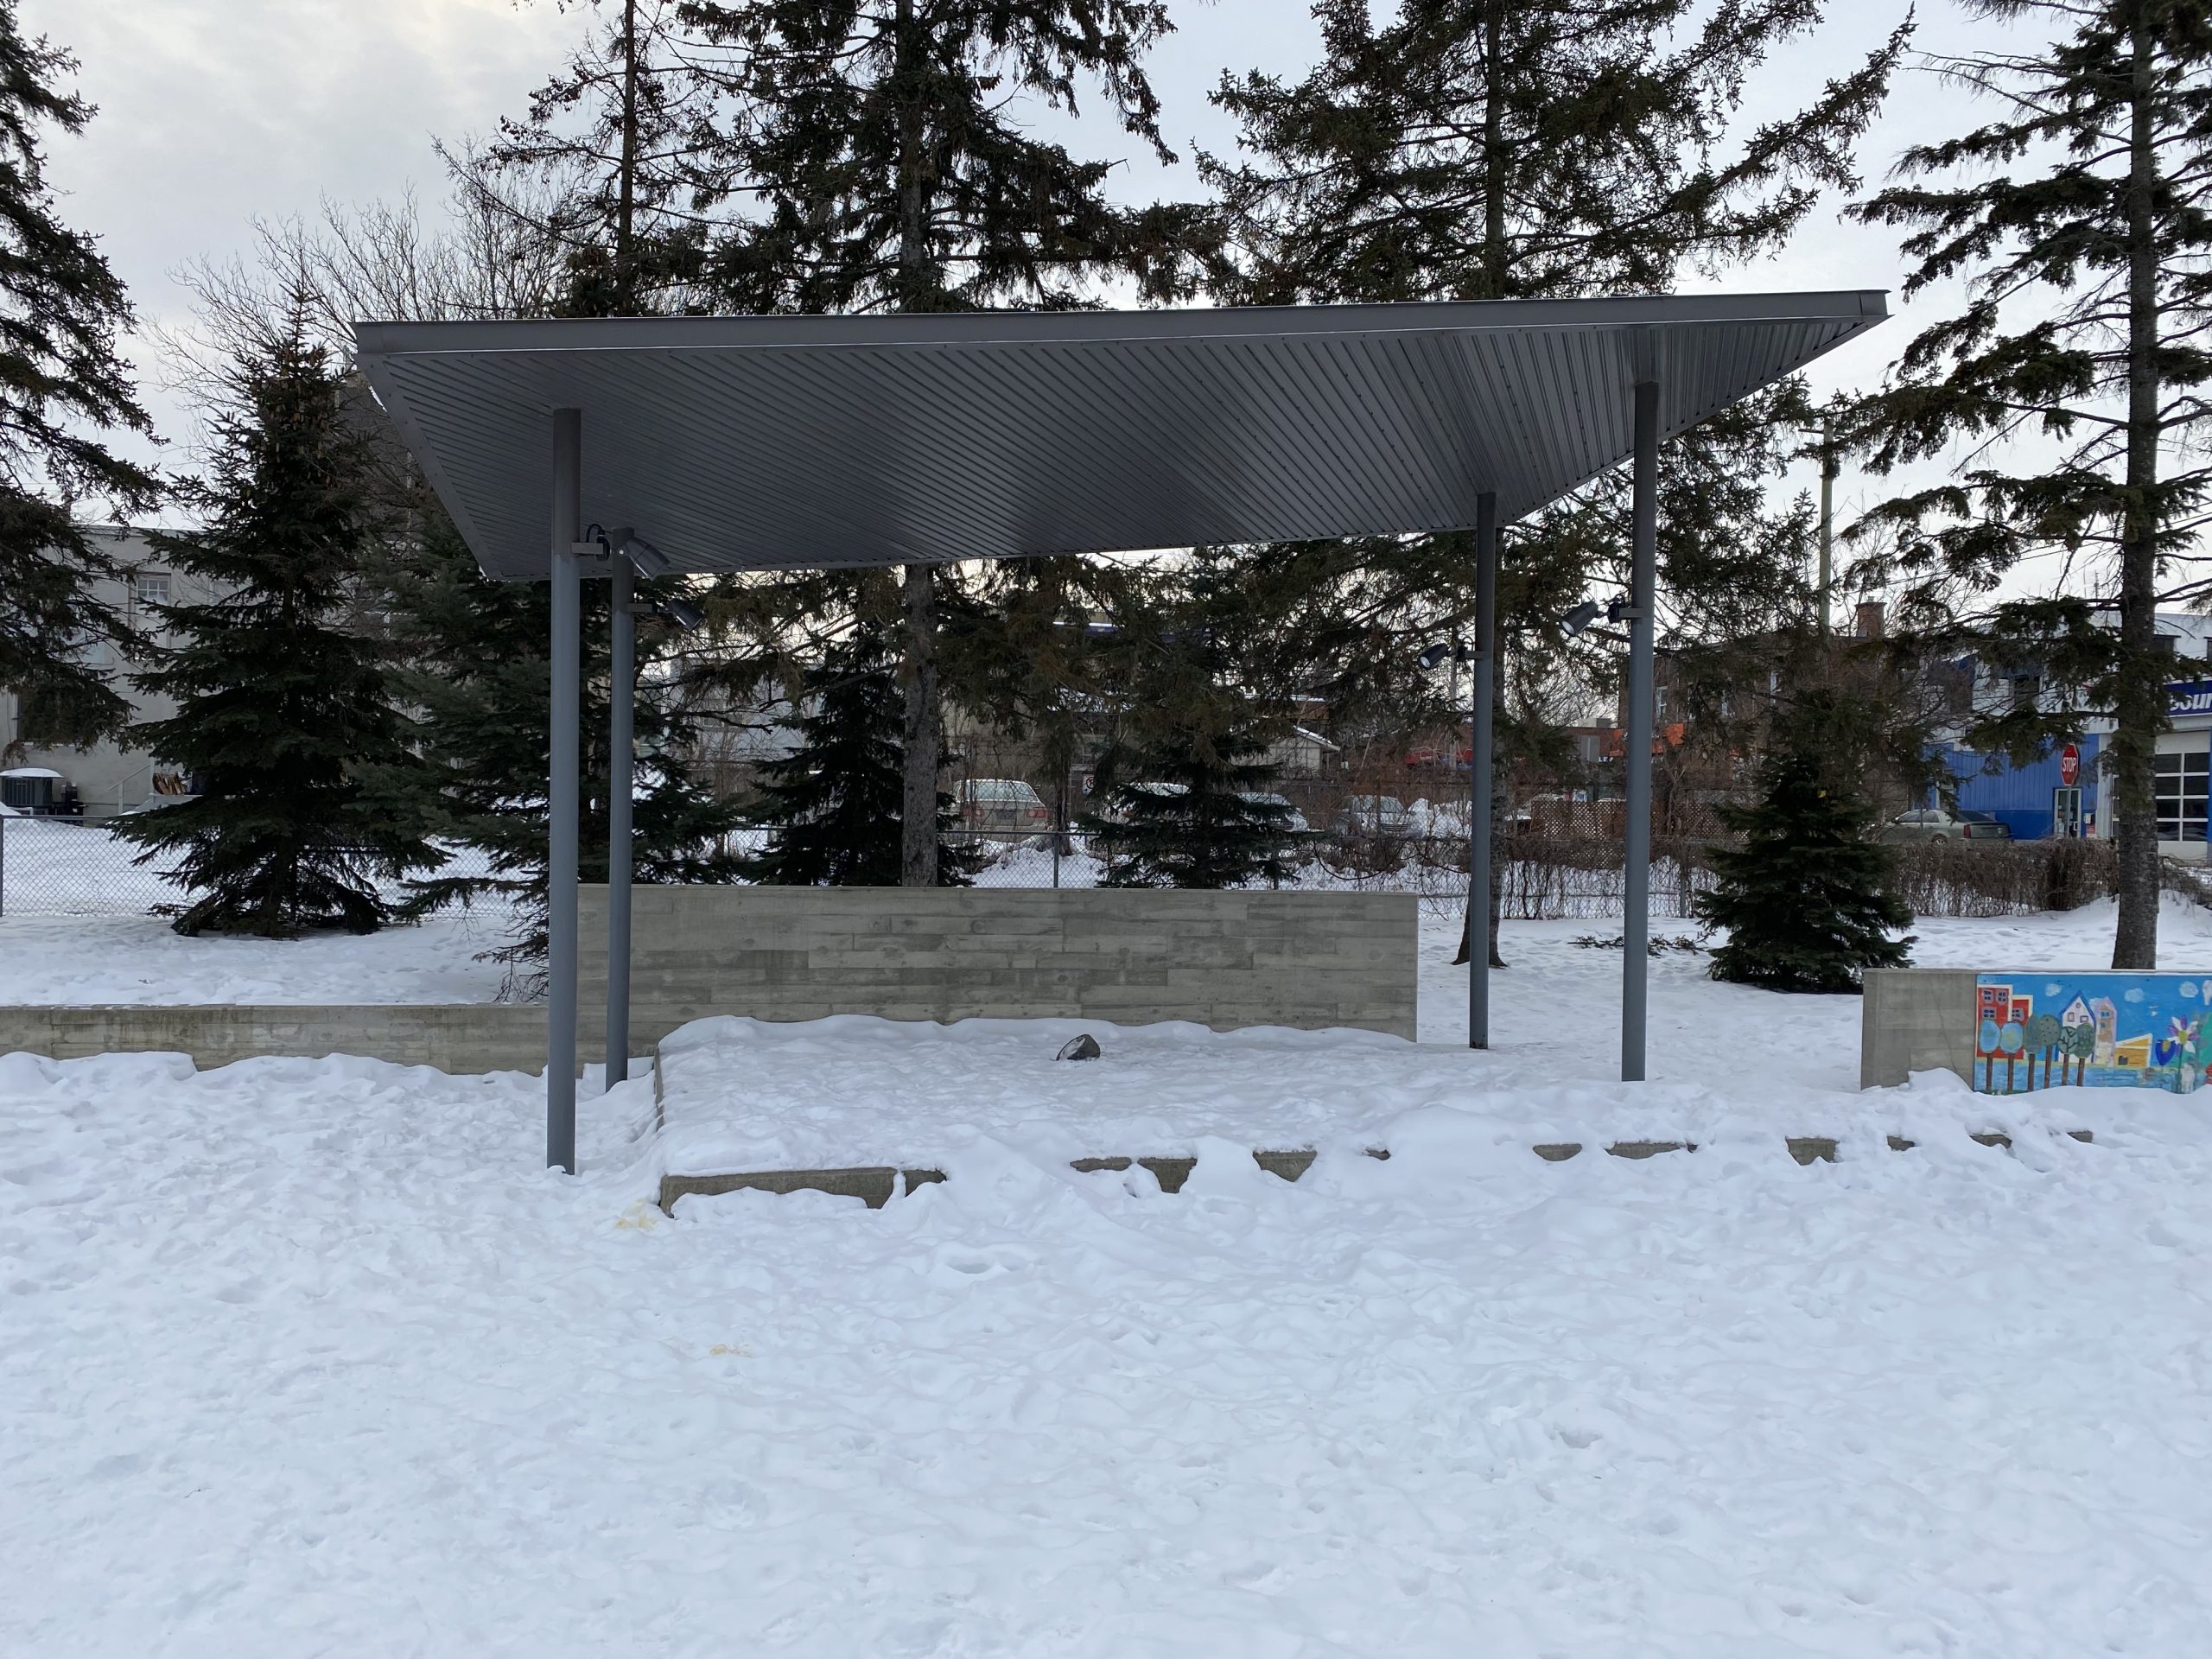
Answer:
(1183, 778)
(1193, 813)
(469, 655)
(474, 666)
(833, 806)
(1488, 149)
(890, 149)
(62, 386)
(2076, 221)
(614, 165)
(1805, 898)
(281, 707)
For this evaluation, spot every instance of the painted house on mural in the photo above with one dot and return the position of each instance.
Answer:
(105, 779)
(2065, 793)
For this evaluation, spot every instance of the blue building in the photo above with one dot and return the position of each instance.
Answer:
(2034, 802)
(2030, 800)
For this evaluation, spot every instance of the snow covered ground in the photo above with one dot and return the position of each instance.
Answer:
(1724, 1061)
(90, 959)
(309, 1357)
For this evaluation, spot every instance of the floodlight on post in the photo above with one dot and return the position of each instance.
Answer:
(682, 611)
(650, 561)
(1432, 657)
(1579, 618)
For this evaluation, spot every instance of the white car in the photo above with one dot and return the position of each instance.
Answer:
(1940, 823)
(1001, 806)
(1374, 815)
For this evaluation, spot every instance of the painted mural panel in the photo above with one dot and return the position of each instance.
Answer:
(2038, 1030)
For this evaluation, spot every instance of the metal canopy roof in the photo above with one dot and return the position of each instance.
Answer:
(737, 443)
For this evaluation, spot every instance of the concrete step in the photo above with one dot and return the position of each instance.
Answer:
(874, 1183)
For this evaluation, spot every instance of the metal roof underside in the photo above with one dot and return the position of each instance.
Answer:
(741, 443)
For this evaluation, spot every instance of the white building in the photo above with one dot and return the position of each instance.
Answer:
(110, 778)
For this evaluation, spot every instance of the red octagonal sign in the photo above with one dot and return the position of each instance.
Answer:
(2070, 765)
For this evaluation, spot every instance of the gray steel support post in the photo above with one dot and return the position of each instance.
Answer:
(1483, 674)
(1828, 470)
(1636, 739)
(562, 795)
(621, 729)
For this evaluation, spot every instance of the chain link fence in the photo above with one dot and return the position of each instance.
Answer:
(1540, 877)
(64, 866)
(60, 866)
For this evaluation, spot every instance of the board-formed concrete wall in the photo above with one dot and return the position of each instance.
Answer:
(1221, 959)
(459, 1038)
(1133, 956)
(1916, 1019)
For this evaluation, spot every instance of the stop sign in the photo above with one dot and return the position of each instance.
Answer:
(2070, 765)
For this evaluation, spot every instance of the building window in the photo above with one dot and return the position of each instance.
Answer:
(153, 587)
(2179, 784)
(2026, 689)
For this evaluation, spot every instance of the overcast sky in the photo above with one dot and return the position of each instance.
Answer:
(213, 111)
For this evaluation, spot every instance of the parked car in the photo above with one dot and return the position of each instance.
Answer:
(1002, 806)
(1374, 815)
(1942, 823)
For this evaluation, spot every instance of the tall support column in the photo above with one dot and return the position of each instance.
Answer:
(1828, 470)
(1636, 929)
(621, 727)
(562, 795)
(1483, 673)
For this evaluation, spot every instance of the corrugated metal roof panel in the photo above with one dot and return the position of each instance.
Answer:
(737, 443)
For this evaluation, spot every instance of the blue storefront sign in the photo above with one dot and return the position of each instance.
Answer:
(2188, 697)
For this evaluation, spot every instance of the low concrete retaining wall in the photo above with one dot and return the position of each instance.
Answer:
(1312, 960)
(459, 1038)
(1222, 959)
(1916, 1019)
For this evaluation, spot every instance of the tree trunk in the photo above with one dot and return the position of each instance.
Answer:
(1496, 874)
(923, 733)
(1494, 156)
(2141, 707)
(626, 261)
(922, 736)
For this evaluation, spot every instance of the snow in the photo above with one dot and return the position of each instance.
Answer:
(309, 1357)
(743, 1094)
(100, 959)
